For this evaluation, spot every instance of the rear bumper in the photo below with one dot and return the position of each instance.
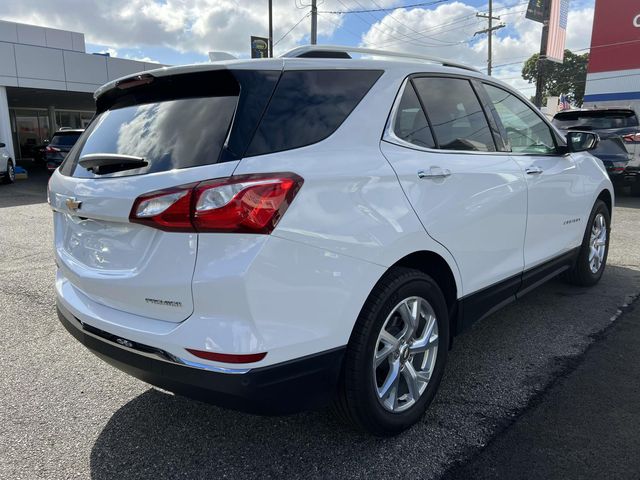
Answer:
(302, 384)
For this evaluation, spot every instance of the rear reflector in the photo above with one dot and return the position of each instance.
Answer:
(242, 204)
(227, 357)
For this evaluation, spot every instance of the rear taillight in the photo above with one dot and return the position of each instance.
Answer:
(632, 138)
(246, 204)
(51, 149)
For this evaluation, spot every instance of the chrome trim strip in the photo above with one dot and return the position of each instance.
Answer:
(164, 356)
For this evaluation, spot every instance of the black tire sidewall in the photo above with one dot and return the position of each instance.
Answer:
(584, 270)
(381, 420)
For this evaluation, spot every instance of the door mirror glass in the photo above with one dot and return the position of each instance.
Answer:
(2, 145)
(582, 141)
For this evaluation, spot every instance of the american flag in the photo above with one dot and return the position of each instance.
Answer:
(563, 103)
(557, 30)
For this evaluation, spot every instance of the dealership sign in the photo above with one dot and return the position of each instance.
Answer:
(259, 47)
(615, 42)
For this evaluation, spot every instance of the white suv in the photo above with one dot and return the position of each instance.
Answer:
(274, 235)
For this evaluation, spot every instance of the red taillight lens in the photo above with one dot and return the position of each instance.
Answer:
(246, 203)
(632, 138)
(51, 149)
(168, 209)
(227, 357)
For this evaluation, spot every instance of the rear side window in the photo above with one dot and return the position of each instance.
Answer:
(308, 106)
(65, 139)
(411, 123)
(458, 121)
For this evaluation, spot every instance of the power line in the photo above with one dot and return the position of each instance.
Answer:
(292, 28)
(384, 9)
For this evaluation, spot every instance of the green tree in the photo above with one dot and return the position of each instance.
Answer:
(567, 78)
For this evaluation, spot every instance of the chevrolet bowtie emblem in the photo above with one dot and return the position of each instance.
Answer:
(73, 204)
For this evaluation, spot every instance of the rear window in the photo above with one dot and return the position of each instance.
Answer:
(597, 119)
(308, 106)
(172, 134)
(65, 139)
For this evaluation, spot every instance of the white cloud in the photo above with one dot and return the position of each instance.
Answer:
(185, 25)
(448, 31)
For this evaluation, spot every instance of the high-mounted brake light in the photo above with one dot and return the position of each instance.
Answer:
(242, 204)
(135, 81)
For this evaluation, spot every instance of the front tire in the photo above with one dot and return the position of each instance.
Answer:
(396, 354)
(594, 250)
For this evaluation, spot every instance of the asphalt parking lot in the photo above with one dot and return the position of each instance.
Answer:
(65, 414)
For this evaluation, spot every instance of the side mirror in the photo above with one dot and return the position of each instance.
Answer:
(2, 145)
(582, 141)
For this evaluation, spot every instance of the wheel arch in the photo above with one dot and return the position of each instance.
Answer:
(437, 267)
(606, 196)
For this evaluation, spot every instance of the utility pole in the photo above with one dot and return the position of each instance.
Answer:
(542, 59)
(270, 28)
(314, 22)
(489, 32)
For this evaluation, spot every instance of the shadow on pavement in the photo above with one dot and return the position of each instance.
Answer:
(26, 191)
(493, 372)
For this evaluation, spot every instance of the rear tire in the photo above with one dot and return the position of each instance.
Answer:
(10, 175)
(594, 250)
(403, 328)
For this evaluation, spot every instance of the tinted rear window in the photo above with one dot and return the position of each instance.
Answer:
(167, 135)
(308, 106)
(597, 120)
(65, 139)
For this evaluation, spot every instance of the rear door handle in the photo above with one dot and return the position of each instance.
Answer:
(434, 172)
(533, 170)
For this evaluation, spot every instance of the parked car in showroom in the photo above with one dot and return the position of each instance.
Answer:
(7, 165)
(58, 147)
(275, 235)
(619, 147)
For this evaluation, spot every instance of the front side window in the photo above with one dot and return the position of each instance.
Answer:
(526, 131)
(410, 123)
(458, 121)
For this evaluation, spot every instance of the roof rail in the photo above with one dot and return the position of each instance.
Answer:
(338, 51)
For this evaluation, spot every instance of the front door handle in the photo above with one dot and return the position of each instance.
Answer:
(434, 172)
(533, 170)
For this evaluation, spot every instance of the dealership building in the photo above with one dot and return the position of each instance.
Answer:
(47, 82)
(613, 75)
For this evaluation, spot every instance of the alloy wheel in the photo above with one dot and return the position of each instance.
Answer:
(597, 243)
(405, 354)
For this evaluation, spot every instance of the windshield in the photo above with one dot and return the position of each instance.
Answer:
(596, 120)
(65, 139)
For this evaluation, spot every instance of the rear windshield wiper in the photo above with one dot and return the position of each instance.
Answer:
(103, 163)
